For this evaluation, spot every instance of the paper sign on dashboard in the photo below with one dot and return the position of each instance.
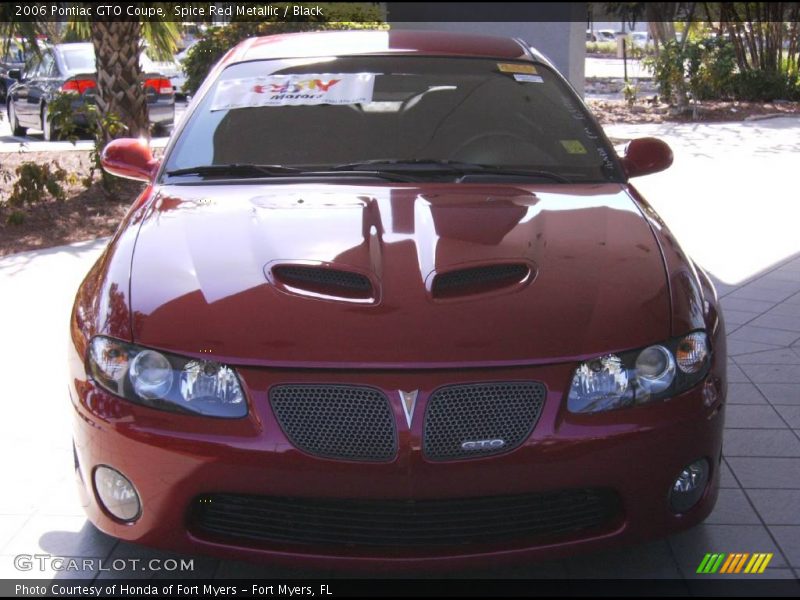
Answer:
(305, 89)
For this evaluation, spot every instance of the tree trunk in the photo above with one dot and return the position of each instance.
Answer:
(119, 89)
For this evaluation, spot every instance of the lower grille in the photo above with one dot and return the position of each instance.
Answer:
(470, 421)
(336, 421)
(403, 523)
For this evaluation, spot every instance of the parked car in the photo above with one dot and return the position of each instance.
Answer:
(390, 301)
(13, 57)
(71, 68)
(639, 39)
(171, 69)
(606, 35)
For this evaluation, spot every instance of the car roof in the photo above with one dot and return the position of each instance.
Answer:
(88, 46)
(348, 43)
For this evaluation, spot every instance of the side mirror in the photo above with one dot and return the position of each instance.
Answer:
(130, 158)
(644, 156)
(15, 74)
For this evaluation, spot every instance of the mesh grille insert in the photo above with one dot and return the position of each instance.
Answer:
(393, 523)
(482, 412)
(336, 421)
(324, 279)
(478, 279)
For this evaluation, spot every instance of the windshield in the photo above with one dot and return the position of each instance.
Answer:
(15, 53)
(78, 58)
(329, 112)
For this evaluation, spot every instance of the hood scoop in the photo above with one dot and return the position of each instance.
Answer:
(322, 282)
(480, 280)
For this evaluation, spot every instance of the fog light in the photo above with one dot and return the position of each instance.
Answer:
(117, 494)
(689, 486)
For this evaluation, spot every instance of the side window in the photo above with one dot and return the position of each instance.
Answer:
(48, 66)
(32, 69)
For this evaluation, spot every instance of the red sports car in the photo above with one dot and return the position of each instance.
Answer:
(389, 301)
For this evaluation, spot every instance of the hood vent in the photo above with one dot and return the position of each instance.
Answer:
(324, 281)
(478, 280)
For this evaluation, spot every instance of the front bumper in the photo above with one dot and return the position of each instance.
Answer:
(173, 459)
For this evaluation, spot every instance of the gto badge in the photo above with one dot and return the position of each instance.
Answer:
(409, 401)
(483, 445)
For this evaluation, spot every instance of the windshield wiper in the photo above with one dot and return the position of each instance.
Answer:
(428, 165)
(252, 170)
(242, 169)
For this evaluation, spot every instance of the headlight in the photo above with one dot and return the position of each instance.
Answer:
(165, 381)
(631, 378)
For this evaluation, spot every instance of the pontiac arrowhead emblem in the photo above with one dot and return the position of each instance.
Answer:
(409, 401)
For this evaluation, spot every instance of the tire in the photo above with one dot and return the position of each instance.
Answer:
(3, 92)
(12, 120)
(162, 129)
(50, 134)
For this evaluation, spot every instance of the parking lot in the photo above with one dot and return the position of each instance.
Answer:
(33, 141)
(730, 198)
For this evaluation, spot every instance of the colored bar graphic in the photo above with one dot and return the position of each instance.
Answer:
(728, 565)
(704, 563)
(734, 563)
(740, 564)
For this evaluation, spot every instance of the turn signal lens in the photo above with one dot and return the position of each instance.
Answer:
(692, 352)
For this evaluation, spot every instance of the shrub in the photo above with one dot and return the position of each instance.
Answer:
(216, 41)
(760, 86)
(36, 182)
(63, 117)
(707, 69)
(16, 217)
(601, 48)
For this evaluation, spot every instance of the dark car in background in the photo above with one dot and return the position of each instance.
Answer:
(71, 68)
(13, 56)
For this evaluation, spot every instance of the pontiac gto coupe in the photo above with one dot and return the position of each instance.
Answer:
(389, 301)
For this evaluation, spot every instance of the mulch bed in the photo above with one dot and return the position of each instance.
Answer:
(85, 214)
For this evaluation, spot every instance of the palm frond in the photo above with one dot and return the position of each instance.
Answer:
(161, 38)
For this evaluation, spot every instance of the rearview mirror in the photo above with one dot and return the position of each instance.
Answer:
(644, 156)
(15, 74)
(130, 158)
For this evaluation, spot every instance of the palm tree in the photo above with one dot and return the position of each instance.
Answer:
(117, 46)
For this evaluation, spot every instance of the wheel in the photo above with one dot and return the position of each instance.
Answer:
(162, 129)
(12, 120)
(50, 134)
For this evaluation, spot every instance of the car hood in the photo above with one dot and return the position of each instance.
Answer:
(202, 279)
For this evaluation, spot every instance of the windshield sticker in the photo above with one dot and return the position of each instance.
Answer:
(305, 89)
(573, 146)
(523, 78)
(516, 68)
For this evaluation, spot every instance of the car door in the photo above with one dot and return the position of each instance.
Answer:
(20, 92)
(38, 88)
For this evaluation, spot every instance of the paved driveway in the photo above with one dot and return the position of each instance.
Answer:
(730, 198)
